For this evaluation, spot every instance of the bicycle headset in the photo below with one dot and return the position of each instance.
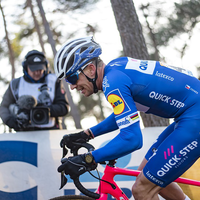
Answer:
(74, 56)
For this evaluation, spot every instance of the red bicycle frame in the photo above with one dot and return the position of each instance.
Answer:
(107, 183)
(106, 188)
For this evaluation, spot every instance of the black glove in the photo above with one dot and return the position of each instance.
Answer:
(80, 137)
(12, 123)
(77, 165)
(23, 119)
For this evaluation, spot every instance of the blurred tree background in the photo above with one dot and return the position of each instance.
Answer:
(158, 27)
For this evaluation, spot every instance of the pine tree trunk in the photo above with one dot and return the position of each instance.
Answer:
(74, 109)
(11, 53)
(133, 43)
(29, 3)
(47, 27)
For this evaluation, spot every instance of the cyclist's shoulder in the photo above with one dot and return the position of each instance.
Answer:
(121, 61)
(115, 67)
(173, 69)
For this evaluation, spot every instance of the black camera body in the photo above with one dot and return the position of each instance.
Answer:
(39, 115)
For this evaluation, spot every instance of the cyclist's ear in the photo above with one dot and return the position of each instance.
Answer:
(91, 69)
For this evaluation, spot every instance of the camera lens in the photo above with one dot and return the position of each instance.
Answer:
(39, 116)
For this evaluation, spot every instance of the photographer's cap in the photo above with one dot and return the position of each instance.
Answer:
(36, 62)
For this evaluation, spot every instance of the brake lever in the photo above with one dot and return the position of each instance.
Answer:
(65, 151)
(63, 180)
(76, 146)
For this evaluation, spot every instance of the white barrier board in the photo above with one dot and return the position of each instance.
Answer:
(29, 162)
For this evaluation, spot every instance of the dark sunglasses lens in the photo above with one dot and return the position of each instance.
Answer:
(72, 79)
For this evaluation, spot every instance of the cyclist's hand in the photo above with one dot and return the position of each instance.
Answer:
(80, 137)
(77, 165)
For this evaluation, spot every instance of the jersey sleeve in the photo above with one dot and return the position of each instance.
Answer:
(116, 87)
(118, 94)
(107, 125)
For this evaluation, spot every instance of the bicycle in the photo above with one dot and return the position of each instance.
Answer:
(107, 184)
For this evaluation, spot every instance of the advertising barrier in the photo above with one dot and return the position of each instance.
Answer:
(29, 162)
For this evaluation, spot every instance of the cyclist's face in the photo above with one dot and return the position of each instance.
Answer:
(36, 75)
(82, 84)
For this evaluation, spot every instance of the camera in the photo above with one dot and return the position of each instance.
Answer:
(39, 115)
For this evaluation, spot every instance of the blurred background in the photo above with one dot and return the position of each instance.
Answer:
(164, 30)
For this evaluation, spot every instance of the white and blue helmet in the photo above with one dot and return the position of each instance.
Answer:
(75, 55)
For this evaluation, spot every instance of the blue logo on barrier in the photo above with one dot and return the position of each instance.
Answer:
(23, 152)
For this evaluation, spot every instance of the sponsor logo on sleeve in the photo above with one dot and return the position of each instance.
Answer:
(128, 120)
(117, 101)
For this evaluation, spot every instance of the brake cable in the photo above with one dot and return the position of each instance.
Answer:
(98, 178)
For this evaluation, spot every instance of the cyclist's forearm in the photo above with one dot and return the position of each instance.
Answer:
(124, 143)
(107, 125)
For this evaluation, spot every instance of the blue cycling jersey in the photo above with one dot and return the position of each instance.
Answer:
(154, 87)
(132, 85)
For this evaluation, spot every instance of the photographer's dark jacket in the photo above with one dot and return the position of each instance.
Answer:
(23, 86)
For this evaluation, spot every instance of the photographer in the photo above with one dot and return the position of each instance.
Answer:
(36, 100)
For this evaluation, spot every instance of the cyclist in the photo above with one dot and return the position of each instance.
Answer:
(132, 85)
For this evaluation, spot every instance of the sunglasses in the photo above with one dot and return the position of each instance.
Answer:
(73, 78)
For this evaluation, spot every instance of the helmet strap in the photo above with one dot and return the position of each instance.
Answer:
(93, 80)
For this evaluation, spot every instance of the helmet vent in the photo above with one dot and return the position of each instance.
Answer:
(61, 75)
(74, 55)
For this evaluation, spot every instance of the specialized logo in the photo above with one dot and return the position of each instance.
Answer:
(144, 66)
(105, 84)
(176, 160)
(166, 99)
(128, 120)
(123, 123)
(117, 103)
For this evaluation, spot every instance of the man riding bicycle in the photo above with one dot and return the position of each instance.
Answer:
(132, 85)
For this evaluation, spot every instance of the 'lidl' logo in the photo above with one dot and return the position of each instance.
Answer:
(117, 103)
